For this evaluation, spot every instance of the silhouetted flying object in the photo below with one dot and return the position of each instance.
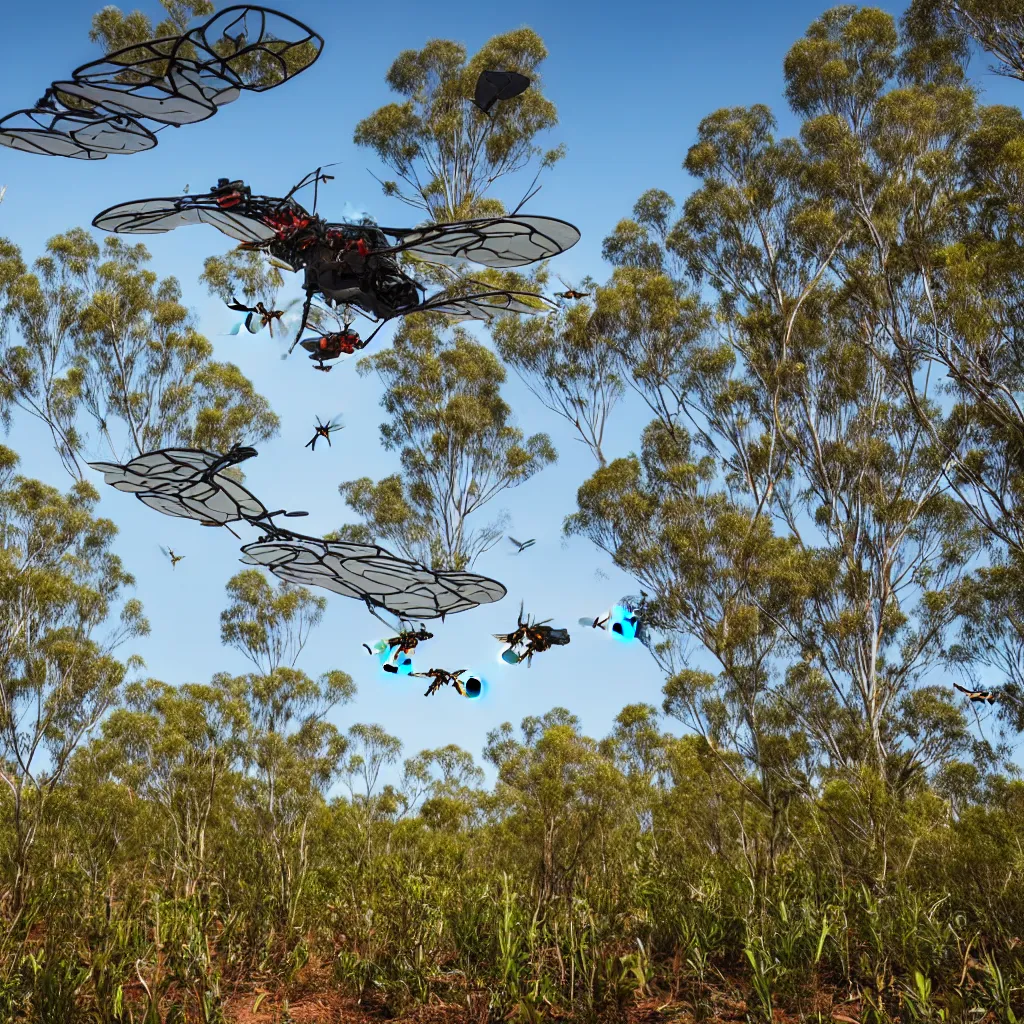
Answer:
(493, 86)
(535, 637)
(324, 430)
(984, 696)
(442, 677)
(175, 559)
(522, 544)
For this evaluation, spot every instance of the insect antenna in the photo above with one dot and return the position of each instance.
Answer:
(529, 195)
(313, 178)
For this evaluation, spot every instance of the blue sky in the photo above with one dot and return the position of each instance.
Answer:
(631, 82)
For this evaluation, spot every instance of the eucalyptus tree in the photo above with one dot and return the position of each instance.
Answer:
(249, 274)
(93, 341)
(176, 747)
(995, 25)
(59, 584)
(371, 749)
(788, 499)
(442, 391)
(457, 443)
(445, 151)
(566, 367)
(115, 30)
(290, 753)
(563, 798)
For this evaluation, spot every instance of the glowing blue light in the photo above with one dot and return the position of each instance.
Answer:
(400, 665)
(623, 624)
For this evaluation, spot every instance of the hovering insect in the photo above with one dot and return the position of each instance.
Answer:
(174, 80)
(984, 696)
(175, 559)
(331, 346)
(324, 430)
(357, 264)
(442, 677)
(522, 544)
(630, 619)
(534, 637)
(405, 642)
(493, 86)
(257, 317)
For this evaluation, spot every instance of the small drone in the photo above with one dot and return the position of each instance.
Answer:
(257, 317)
(442, 677)
(630, 619)
(324, 430)
(175, 559)
(534, 637)
(405, 642)
(333, 344)
(522, 544)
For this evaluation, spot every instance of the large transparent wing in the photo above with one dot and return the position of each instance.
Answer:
(493, 242)
(217, 500)
(485, 305)
(371, 573)
(253, 47)
(185, 477)
(80, 135)
(169, 469)
(144, 81)
(155, 216)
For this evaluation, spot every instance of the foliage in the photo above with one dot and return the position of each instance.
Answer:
(92, 336)
(446, 151)
(820, 530)
(457, 445)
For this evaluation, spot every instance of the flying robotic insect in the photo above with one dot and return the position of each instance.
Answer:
(442, 677)
(324, 430)
(522, 545)
(532, 638)
(571, 294)
(174, 80)
(399, 649)
(630, 619)
(257, 317)
(191, 483)
(332, 344)
(358, 264)
(175, 559)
